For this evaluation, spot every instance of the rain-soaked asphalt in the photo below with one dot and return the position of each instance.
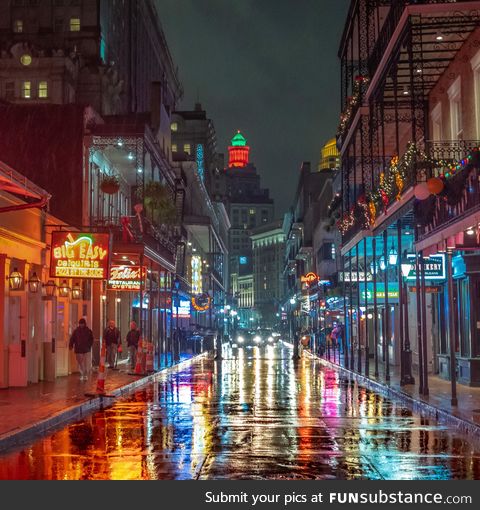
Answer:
(253, 416)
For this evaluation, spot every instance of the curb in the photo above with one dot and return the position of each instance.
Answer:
(32, 432)
(463, 425)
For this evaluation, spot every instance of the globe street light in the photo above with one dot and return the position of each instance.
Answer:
(407, 377)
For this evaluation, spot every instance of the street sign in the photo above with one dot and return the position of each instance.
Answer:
(431, 289)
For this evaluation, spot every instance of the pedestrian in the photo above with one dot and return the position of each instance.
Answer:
(111, 337)
(81, 341)
(133, 337)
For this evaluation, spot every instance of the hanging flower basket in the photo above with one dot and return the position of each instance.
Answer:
(110, 185)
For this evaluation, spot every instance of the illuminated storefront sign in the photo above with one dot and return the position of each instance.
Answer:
(200, 161)
(196, 274)
(201, 303)
(183, 309)
(79, 255)
(393, 292)
(125, 278)
(309, 278)
(434, 267)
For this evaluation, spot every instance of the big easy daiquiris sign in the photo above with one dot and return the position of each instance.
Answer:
(79, 255)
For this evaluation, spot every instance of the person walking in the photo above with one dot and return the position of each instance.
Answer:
(111, 337)
(133, 337)
(81, 341)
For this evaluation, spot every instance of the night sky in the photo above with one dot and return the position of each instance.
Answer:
(266, 67)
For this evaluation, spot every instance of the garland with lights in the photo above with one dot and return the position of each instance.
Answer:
(352, 101)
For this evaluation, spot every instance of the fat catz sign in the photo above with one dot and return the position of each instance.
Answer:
(79, 255)
(126, 278)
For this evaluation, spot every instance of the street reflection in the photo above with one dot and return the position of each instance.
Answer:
(255, 415)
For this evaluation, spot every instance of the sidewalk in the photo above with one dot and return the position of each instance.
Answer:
(466, 416)
(26, 413)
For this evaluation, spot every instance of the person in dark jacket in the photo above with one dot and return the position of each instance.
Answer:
(111, 337)
(133, 337)
(81, 341)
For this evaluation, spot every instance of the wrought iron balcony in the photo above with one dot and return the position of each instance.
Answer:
(460, 163)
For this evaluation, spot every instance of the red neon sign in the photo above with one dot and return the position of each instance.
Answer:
(309, 278)
(79, 255)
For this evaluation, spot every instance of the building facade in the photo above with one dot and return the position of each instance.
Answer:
(268, 243)
(408, 137)
(102, 54)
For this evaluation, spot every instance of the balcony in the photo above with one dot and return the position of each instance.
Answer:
(128, 231)
(459, 162)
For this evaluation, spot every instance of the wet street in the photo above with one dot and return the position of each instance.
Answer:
(253, 416)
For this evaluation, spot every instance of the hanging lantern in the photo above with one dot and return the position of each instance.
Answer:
(64, 289)
(50, 288)
(76, 292)
(421, 191)
(382, 263)
(34, 283)
(373, 267)
(393, 256)
(15, 279)
(435, 185)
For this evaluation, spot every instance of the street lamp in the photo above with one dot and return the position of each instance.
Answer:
(407, 377)
(296, 354)
(64, 289)
(34, 283)
(393, 256)
(15, 279)
(50, 288)
(76, 292)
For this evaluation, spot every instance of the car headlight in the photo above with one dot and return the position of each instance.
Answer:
(257, 339)
(270, 338)
(240, 339)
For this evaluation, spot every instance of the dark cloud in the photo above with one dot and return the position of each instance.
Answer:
(266, 67)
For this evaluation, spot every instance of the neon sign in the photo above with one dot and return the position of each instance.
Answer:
(79, 255)
(201, 303)
(309, 278)
(126, 278)
(196, 274)
(200, 162)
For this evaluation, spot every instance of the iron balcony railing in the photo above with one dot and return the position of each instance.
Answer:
(130, 229)
(461, 195)
(390, 25)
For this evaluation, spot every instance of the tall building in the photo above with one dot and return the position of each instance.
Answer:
(194, 139)
(329, 156)
(248, 204)
(99, 53)
(268, 242)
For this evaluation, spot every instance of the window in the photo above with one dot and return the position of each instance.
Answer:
(187, 148)
(58, 26)
(174, 126)
(43, 90)
(455, 98)
(174, 147)
(252, 212)
(75, 25)
(476, 83)
(18, 26)
(437, 122)
(10, 90)
(27, 89)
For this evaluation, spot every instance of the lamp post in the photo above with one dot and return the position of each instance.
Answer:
(407, 377)
(293, 334)
(176, 343)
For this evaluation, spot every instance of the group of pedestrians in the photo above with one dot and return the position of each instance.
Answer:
(81, 342)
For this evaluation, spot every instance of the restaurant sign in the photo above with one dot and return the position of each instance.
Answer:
(79, 255)
(434, 267)
(126, 278)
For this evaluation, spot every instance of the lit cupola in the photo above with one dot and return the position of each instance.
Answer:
(238, 151)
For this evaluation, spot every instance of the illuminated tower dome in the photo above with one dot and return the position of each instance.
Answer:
(238, 151)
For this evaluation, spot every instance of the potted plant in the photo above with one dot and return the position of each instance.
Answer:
(110, 184)
(159, 204)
